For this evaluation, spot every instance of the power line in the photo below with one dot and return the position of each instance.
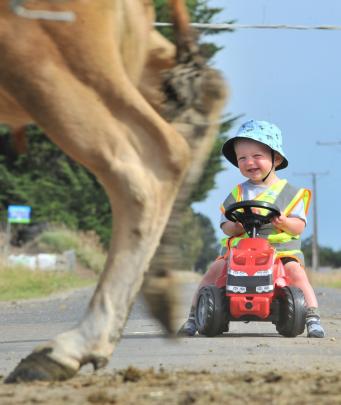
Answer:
(68, 16)
(233, 27)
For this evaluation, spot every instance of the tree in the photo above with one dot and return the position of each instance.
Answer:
(328, 256)
(214, 164)
(58, 189)
(210, 245)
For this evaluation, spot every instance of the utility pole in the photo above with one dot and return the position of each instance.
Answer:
(314, 246)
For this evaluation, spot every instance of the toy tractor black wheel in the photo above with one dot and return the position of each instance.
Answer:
(292, 312)
(211, 311)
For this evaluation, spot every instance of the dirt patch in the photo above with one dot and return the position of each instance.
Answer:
(134, 386)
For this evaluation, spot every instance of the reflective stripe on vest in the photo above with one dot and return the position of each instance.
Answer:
(302, 194)
(271, 193)
(237, 193)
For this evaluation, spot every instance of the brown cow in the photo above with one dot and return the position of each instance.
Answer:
(86, 83)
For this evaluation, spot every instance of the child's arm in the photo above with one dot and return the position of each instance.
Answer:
(291, 225)
(232, 228)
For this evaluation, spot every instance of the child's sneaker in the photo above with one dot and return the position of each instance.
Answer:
(314, 328)
(189, 328)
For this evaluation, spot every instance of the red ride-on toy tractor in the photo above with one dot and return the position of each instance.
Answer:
(253, 285)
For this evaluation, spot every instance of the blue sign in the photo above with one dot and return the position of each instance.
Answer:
(19, 214)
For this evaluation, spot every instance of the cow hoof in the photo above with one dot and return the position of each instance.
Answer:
(97, 362)
(39, 367)
(160, 295)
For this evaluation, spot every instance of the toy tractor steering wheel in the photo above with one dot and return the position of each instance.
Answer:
(251, 221)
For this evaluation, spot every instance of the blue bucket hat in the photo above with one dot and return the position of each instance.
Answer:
(261, 131)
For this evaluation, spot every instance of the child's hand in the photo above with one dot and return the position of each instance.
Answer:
(239, 227)
(280, 222)
(256, 210)
(291, 225)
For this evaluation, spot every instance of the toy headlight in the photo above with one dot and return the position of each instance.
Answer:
(264, 288)
(236, 289)
(237, 273)
(263, 272)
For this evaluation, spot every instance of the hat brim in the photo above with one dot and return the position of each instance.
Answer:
(230, 154)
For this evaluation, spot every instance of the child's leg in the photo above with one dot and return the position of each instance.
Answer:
(299, 279)
(189, 327)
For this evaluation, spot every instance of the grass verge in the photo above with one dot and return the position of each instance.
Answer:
(330, 279)
(20, 283)
(88, 249)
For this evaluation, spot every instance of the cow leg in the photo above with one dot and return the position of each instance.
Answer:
(200, 93)
(159, 55)
(140, 169)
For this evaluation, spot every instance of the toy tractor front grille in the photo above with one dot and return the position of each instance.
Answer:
(242, 282)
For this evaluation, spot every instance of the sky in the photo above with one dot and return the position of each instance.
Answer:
(293, 79)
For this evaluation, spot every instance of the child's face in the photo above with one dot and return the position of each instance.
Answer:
(254, 159)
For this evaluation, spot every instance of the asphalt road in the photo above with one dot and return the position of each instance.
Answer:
(253, 346)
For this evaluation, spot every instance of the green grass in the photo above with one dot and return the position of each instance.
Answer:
(331, 279)
(88, 249)
(59, 240)
(19, 283)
